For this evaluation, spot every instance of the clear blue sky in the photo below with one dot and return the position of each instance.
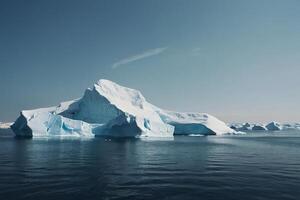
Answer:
(236, 59)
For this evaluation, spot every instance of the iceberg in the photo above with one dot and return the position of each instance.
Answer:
(109, 109)
(241, 127)
(273, 126)
(293, 126)
(5, 125)
(248, 127)
(5, 129)
(235, 126)
(258, 127)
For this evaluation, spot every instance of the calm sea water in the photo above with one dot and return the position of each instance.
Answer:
(254, 166)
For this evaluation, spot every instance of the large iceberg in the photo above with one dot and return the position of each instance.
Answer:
(109, 109)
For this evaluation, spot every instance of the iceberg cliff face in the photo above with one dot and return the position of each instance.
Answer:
(45, 122)
(109, 109)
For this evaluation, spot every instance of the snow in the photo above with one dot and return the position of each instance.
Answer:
(109, 109)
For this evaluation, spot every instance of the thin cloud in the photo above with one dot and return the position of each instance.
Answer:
(140, 56)
(196, 51)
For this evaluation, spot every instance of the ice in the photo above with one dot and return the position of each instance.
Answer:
(259, 127)
(5, 125)
(273, 126)
(292, 126)
(109, 109)
(245, 127)
(194, 123)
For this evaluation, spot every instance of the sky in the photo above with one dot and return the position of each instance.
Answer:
(238, 59)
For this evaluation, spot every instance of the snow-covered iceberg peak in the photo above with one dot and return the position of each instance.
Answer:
(109, 109)
(125, 97)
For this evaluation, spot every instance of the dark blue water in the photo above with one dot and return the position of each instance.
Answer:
(254, 166)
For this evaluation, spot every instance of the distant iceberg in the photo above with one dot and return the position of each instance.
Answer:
(273, 126)
(246, 127)
(4, 125)
(109, 109)
(259, 127)
(292, 126)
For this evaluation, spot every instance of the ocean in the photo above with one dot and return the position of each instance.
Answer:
(262, 166)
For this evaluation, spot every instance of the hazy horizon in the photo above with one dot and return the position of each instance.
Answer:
(236, 60)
